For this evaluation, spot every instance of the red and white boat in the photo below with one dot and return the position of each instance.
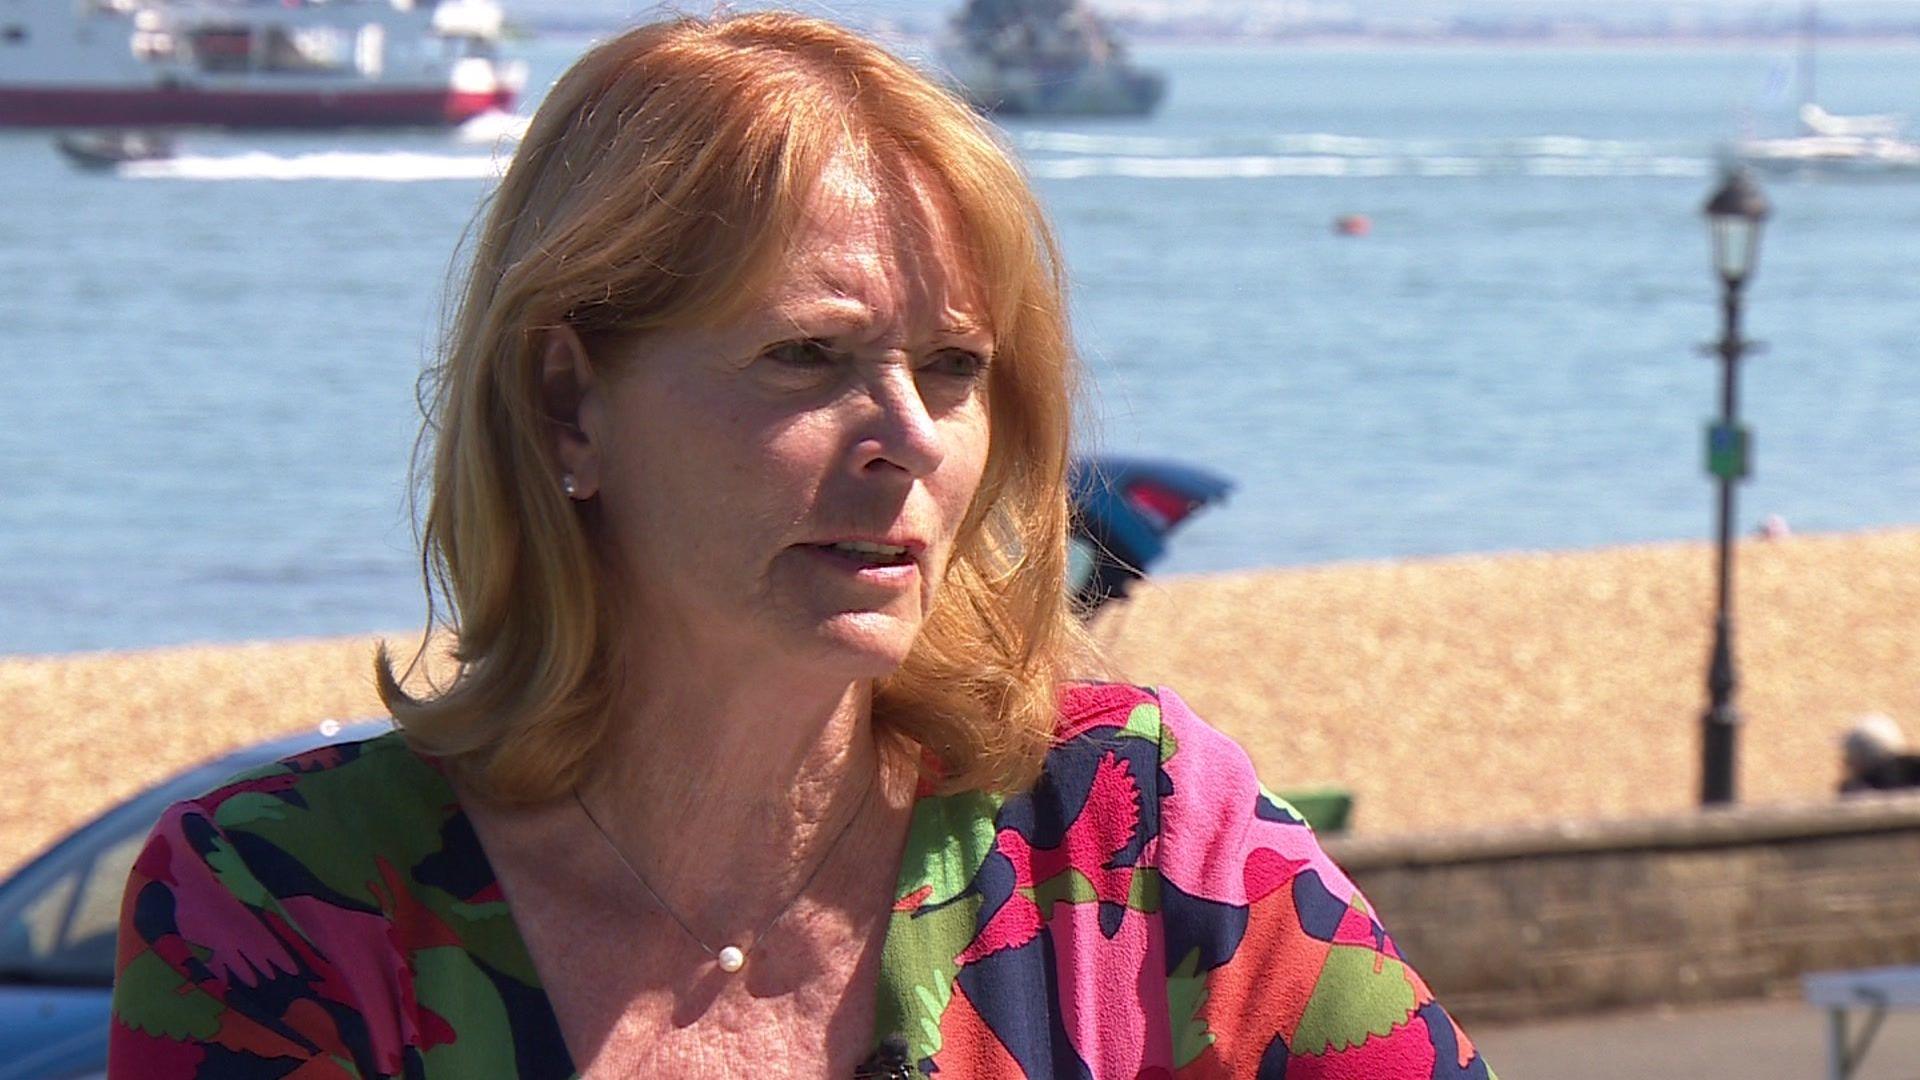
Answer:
(251, 63)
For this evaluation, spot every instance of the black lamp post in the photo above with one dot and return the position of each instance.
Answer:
(1734, 215)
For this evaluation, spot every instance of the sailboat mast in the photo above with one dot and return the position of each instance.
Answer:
(1809, 36)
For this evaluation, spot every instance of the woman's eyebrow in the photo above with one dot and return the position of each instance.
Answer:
(824, 315)
(830, 313)
(959, 324)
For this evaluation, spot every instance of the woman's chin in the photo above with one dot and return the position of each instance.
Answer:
(867, 644)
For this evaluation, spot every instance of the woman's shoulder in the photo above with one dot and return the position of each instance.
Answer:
(1188, 797)
(331, 906)
(350, 782)
(1093, 713)
(1138, 766)
(1272, 955)
(1207, 800)
(1088, 705)
(332, 814)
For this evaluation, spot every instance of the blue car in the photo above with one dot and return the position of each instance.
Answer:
(59, 915)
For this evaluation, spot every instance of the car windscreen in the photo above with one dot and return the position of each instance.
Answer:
(58, 917)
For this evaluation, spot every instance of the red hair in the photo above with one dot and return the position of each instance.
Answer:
(658, 185)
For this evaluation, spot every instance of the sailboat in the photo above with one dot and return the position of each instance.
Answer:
(1828, 143)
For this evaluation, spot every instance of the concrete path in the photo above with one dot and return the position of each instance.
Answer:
(1769, 1040)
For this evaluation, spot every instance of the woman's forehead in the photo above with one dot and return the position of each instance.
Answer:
(901, 235)
(901, 210)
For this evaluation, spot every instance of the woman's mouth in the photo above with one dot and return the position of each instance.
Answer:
(870, 554)
(891, 566)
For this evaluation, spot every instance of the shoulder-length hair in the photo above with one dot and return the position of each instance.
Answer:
(657, 186)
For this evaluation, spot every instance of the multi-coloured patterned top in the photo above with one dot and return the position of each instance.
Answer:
(1147, 910)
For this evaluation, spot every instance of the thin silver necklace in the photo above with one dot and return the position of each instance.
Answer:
(730, 958)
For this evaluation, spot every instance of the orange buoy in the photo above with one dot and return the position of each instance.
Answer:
(1352, 225)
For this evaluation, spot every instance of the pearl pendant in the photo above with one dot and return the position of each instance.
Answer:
(732, 959)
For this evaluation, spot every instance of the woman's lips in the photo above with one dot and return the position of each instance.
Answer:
(872, 551)
(894, 566)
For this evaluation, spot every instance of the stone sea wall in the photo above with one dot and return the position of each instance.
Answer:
(1519, 922)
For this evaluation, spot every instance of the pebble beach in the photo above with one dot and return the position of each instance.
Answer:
(1445, 694)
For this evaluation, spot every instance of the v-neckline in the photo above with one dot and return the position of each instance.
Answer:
(522, 955)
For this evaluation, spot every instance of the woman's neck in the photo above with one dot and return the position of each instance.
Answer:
(727, 794)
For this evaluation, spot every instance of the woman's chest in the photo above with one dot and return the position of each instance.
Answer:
(645, 1000)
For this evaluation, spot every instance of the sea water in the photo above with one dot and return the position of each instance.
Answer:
(208, 368)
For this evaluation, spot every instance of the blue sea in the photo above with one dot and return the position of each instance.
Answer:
(208, 370)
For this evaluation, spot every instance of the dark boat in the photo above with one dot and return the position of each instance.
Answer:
(100, 151)
(1045, 58)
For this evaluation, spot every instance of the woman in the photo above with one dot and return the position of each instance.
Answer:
(748, 496)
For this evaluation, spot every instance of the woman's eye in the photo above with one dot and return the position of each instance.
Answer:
(806, 353)
(961, 363)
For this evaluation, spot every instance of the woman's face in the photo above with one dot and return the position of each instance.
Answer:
(787, 487)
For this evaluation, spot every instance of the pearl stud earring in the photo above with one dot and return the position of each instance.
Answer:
(568, 485)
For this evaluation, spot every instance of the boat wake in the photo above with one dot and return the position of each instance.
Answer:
(1057, 155)
(331, 165)
(495, 127)
(1063, 155)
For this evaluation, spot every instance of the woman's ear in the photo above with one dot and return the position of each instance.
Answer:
(568, 393)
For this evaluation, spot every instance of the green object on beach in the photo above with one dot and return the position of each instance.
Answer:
(1326, 809)
(1729, 447)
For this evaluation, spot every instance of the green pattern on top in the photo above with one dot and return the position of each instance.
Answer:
(233, 873)
(1075, 887)
(399, 807)
(947, 841)
(919, 962)
(1144, 722)
(473, 1010)
(1361, 993)
(177, 1010)
(1186, 997)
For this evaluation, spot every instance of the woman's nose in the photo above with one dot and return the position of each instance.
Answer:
(897, 430)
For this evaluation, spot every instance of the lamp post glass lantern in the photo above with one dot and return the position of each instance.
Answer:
(1735, 214)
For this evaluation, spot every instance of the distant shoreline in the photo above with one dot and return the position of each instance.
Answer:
(1136, 37)
(1360, 42)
